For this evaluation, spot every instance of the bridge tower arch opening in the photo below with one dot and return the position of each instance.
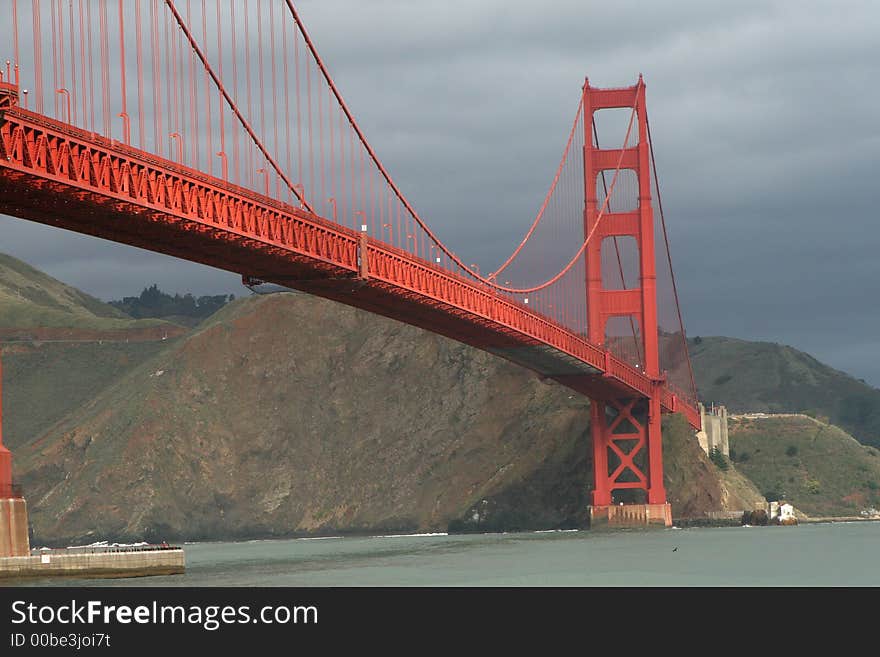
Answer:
(627, 447)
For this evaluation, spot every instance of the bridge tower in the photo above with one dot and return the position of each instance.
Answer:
(627, 448)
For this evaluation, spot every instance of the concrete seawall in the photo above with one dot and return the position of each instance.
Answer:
(128, 563)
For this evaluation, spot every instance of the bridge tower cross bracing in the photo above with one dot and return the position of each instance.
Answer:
(625, 431)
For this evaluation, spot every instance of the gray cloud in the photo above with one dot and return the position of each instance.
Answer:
(764, 123)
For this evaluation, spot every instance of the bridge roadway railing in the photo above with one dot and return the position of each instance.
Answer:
(52, 150)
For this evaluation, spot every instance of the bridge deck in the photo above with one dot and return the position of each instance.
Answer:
(59, 175)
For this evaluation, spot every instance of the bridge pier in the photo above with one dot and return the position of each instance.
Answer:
(14, 541)
(621, 516)
(627, 457)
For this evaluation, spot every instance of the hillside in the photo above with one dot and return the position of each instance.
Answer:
(31, 299)
(48, 380)
(289, 414)
(772, 378)
(817, 467)
(62, 347)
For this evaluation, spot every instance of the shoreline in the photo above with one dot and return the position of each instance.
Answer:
(690, 522)
(839, 519)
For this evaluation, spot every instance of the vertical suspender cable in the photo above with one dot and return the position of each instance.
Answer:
(122, 70)
(274, 90)
(105, 64)
(209, 127)
(247, 66)
(62, 65)
(299, 151)
(286, 70)
(261, 67)
(669, 254)
(166, 53)
(92, 117)
(235, 141)
(140, 71)
(15, 52)
(321, 144)
(157, 72)
(195, 137)
(311, 132)
(55, 82)
(73, 87)
(332, 150)
(38, 54)
(82, 54)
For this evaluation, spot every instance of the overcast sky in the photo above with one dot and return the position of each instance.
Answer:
(764, 119)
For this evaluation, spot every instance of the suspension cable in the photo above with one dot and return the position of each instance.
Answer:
(415, 215)
(234, 108)
(547, 198)
(669, 254)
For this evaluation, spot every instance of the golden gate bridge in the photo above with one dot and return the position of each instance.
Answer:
(213, 131)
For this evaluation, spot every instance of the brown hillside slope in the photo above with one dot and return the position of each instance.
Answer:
(61, 347)
(289, 414)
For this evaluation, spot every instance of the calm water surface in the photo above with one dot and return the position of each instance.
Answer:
(832, 554)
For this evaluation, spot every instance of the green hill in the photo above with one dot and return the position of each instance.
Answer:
(30, 298)
(773, 378)
(61, 347)
(817, 467)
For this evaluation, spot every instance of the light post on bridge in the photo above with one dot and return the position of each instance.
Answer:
(302, 193)
(332, 201)
(363, 214)
(225, 169)
(390, 232)
(66, 94)
(176, 136)
(126, 127)
(265, 177)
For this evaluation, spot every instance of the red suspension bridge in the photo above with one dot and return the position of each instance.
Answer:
(212, 131)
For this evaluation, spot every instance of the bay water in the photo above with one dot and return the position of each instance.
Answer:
(820, 554)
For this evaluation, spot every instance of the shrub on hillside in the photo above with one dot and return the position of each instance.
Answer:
(717, 457)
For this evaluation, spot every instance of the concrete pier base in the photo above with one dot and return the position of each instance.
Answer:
(622, 516)
(14, 540)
